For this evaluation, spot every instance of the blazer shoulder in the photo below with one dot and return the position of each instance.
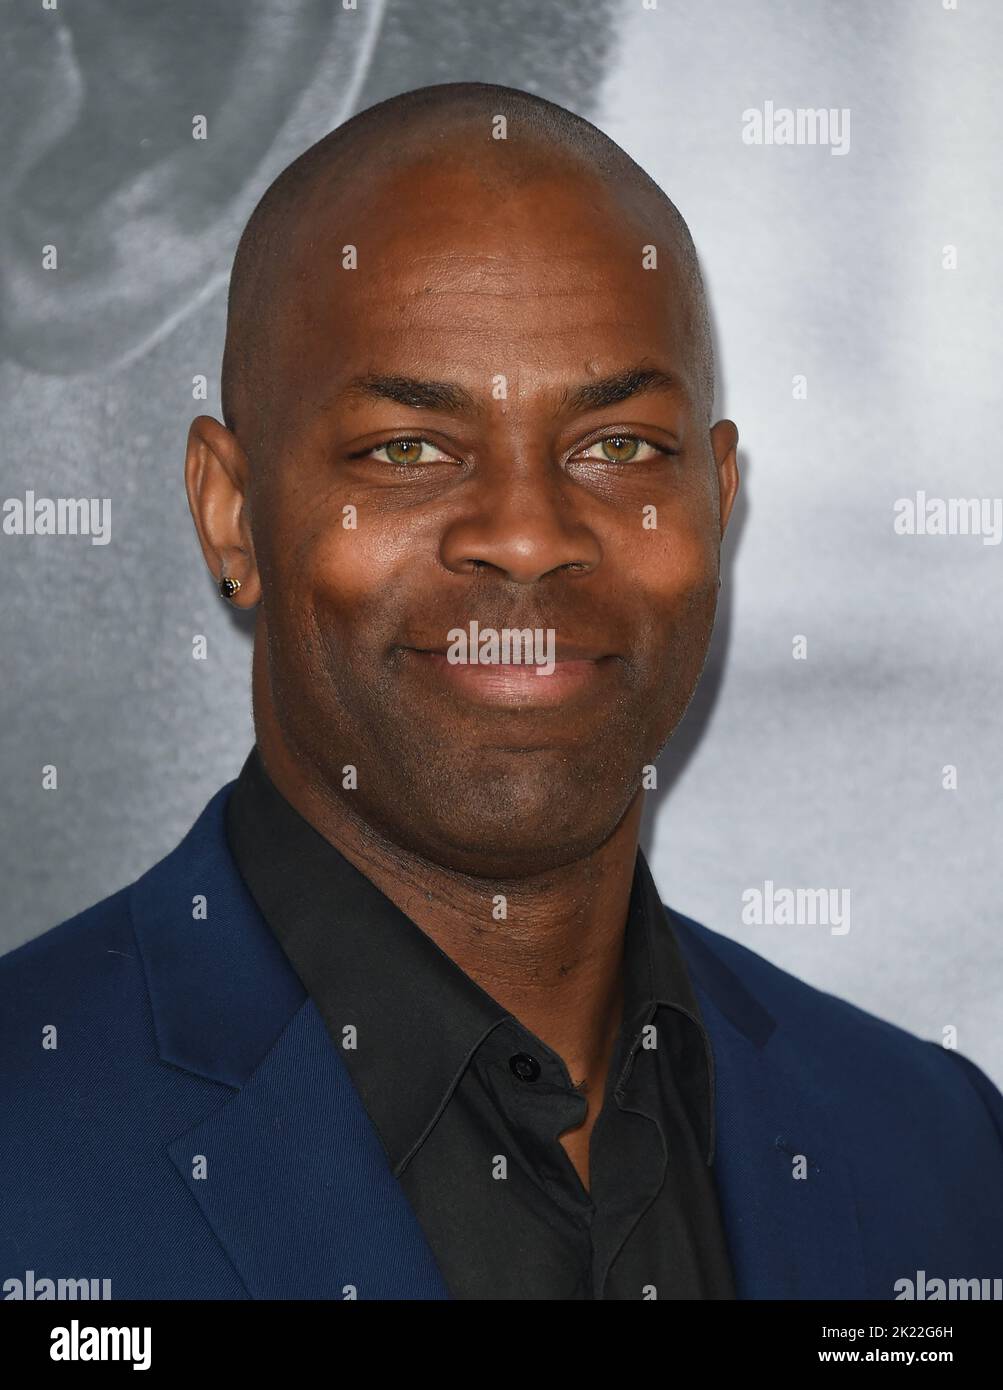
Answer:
(63, 949)
(83, 961)
(793, 1002)
(69, 979)
(843, 1045)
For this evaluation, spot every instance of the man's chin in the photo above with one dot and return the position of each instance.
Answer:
(515, 840)
(499, 812)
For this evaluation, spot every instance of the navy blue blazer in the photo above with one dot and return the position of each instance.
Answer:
(194, 1132)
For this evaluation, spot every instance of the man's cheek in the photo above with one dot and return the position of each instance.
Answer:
(672, 586)
(345, 566)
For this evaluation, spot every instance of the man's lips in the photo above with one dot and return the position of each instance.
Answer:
(576, 671)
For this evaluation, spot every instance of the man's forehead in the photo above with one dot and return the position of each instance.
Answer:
(425, 244)
(492, 314)
(432, 229)
(442, 293)
(587, 363)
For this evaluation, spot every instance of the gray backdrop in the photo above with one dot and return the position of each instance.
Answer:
(858, 357)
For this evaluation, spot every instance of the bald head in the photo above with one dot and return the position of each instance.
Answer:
(468, 379)
(449, 124)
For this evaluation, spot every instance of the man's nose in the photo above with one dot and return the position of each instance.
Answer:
(523, 527)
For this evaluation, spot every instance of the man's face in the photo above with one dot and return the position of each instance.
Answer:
(381, 527)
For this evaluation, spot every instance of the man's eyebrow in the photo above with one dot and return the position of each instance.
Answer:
(611, 390)
(454, 399)
(409, 390)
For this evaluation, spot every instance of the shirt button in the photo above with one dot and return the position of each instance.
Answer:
(525, 1067)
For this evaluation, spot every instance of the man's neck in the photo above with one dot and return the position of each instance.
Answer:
(553, 960)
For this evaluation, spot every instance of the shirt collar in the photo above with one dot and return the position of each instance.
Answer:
(408, 1017)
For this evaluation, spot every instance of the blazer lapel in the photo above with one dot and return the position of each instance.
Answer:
(291, 1176)
(790, 1237)
(288, 1170)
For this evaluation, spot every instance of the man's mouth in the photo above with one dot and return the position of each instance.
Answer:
(566, 676)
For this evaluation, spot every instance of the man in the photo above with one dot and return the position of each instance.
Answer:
(403, 1016)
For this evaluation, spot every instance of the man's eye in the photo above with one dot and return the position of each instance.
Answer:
(405, 453)
(615, 448)
(624, 448)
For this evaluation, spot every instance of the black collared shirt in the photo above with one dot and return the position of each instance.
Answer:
(469, 1104)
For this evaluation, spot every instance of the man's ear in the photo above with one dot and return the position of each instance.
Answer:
(216, 481)
(724, 443)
